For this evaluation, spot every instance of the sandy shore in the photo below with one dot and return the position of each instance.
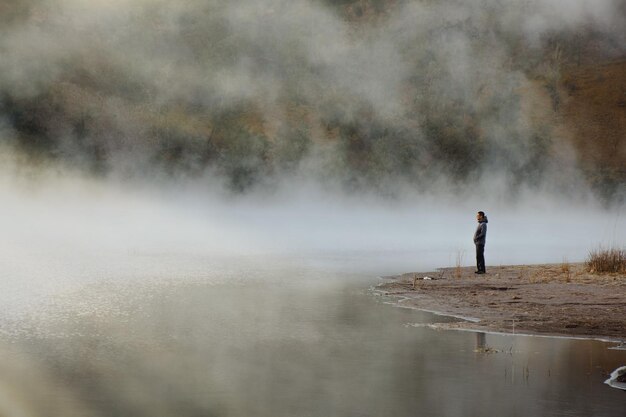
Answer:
(559, 299)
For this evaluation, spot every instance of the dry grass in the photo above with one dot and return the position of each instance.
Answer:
(612, 260)
(566, 270)
(458, 272)
(522, 275)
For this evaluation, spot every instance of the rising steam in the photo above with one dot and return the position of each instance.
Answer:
(363, 94)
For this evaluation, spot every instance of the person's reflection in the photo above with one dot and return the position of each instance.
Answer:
(481, 342)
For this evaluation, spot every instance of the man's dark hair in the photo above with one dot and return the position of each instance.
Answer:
(482, 213)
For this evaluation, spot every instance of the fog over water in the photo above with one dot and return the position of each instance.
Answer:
(59, 228)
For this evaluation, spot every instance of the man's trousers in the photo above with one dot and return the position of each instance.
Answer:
(480, 258)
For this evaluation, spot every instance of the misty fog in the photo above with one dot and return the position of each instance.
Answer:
(362, 96)
(63, 231)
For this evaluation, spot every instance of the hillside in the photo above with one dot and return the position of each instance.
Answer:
(594, 111)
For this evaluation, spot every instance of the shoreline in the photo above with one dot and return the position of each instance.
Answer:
(547, 300)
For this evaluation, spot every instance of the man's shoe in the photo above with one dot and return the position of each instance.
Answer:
(480, 272)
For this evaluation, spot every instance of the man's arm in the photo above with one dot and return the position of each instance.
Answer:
(480, 232)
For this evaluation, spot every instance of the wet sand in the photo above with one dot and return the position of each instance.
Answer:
(554, 299)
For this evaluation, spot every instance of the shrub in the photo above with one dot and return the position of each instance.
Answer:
(607, 260)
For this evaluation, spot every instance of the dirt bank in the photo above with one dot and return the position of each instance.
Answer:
(560, 299)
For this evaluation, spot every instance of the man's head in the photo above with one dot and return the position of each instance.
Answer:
(480, 216)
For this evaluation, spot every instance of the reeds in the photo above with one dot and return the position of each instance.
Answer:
(606, 260)
(566, 270)
(458, 271)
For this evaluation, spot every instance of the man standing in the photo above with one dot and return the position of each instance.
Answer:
(480, 238)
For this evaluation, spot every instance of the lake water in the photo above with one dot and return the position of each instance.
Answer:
(165, 335)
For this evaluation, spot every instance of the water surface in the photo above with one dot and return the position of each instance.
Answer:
(277, 336)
